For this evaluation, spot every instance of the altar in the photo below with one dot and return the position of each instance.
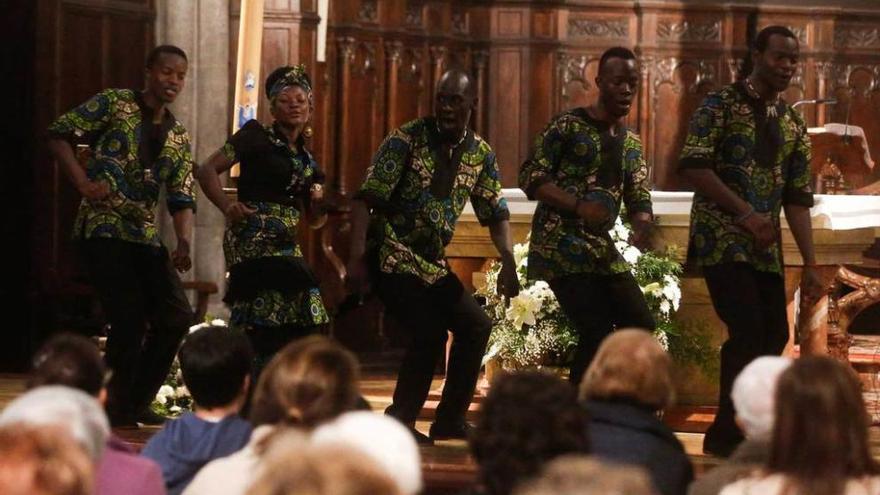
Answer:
(843, 227)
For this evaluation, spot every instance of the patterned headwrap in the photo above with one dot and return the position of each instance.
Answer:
(296, 76)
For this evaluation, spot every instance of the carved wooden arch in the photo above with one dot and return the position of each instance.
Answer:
(866, 293)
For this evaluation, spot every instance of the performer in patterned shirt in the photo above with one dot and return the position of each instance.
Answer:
(136, 147)
(273, 293)
(747, 154)
(583, 165)
(416, 187)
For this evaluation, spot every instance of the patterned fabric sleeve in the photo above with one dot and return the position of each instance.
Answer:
(797, 185)
(636, 190)
(539, 168)
(704, 132)
(386, 170)
(489, 205)
(88, 120)
(176, 168)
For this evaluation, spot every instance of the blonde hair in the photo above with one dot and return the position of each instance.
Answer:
(582, 475)
(42, 460)
(630, 365)
(293, 467)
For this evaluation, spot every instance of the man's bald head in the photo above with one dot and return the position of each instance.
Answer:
(455, 100)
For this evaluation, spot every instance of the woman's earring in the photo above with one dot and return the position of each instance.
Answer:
(308, 132)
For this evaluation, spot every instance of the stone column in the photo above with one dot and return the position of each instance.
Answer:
(201, 29)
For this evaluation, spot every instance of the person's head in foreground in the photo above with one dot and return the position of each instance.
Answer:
(754, 395)
(630, 366)
(820, 436)
(42, 460)
(582, 475)
(527, 419)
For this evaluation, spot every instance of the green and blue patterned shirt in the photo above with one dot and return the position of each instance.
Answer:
(764, 159)
(581, 156)
(134, 157)
(417, 195)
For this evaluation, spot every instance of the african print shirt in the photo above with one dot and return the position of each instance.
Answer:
(117, 125)
(417, 194)
(763, 159)
(579, 154)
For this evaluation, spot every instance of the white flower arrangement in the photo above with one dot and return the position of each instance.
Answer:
(533, 331)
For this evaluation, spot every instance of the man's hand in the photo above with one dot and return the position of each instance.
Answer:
(180, 256)
(508, 282)
(642, 231)
(761, 228)
(357, 280)
(237, 211)
(812, 287)
(592, 212)
(93, 190)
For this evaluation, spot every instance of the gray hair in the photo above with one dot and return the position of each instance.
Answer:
(73, 410)
(754, 395)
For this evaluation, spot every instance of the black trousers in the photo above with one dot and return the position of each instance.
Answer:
(142, 297)
(596, 305)
(428, 312)
(752, 305)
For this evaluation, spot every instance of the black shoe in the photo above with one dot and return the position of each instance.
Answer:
(149, 418)
(450, 431)
(420, 437)
(720, 445)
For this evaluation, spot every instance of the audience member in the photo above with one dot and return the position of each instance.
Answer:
(384, 439)
(582, 475)
(216, 367)
(754, 394)
(310, 381)
(295, 468)
(75, 361)
(42, 460)
(527, 419)
(627, 384)
(819, 444)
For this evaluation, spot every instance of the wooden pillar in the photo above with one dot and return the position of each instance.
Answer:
(345, 58)
(438, 59)
(481, 57)
(392, 63)
(824, 72)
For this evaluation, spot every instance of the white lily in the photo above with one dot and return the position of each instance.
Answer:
(523, 309)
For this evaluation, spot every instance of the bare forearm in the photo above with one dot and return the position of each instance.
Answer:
(707, 183)
(183, 221)
(799, 222)
(553, 195)
(209, 180)
(63, 153)
(500, 234)
(360, 219)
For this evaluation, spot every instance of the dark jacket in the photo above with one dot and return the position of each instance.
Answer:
(630, 434)
(749, 456)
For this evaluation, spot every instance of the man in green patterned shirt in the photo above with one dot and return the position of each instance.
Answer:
(416, 187)
(583, 165)
(136, 147)
(747, 154)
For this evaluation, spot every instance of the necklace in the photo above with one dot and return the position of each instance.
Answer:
(771, 106)
(456, 145)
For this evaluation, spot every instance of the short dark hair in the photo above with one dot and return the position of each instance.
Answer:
(528, 418)
(278, 74)
(154, 54)
(70, 360)
(763, 38)
(615, 52)
(214, 362)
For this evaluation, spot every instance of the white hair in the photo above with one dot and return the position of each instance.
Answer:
(75, 411)
(754, 395)
(383, 439)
